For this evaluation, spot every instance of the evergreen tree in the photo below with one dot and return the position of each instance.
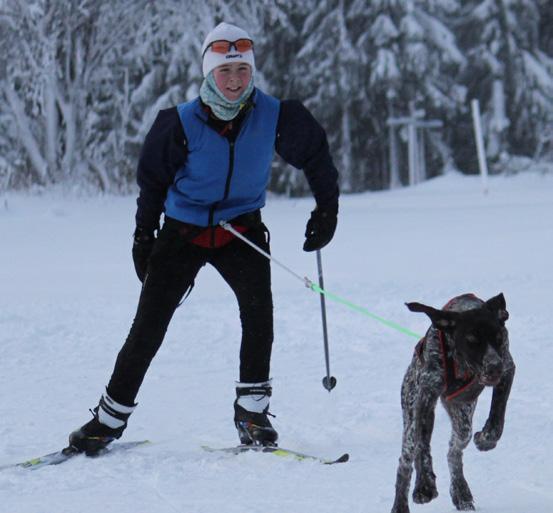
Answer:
(545, 10)
(414, 59)
(327, 76)
(501, 41)
(55, 56)
(82, 81)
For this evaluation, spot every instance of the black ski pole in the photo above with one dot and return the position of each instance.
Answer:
(329, 382)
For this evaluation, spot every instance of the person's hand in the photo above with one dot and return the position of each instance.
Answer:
(320, 227)
(141, 250)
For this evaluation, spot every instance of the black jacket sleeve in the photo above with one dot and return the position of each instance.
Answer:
(301, 141)
(163, 154)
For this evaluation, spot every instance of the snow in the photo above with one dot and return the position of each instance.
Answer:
(68, 298)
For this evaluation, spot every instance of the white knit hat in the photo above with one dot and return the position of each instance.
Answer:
(226, 32)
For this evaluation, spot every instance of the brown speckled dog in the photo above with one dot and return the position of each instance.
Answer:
(465, 349)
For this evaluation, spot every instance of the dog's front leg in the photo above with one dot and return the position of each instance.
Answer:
(425, 485)
(487, 439)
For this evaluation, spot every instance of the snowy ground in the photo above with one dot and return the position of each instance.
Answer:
(67, 298)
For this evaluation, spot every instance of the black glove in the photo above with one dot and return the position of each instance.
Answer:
(320, 228)
(141, 250)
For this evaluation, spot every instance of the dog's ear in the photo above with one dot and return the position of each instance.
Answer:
(442, 320)
(498, 305)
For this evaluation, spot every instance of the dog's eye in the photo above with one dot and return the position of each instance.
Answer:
(471, 339)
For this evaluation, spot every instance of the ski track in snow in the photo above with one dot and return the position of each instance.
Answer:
(68, 294)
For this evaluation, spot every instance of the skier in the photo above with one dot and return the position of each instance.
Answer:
(202, 162)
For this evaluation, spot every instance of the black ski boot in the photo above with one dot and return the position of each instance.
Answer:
(254, 426)
(96, 435)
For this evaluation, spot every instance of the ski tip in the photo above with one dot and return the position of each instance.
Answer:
(28, 463)
(341, 459)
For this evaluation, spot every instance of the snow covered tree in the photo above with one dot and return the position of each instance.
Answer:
(359, 60)
(157, 69)
(81, 81)
(84, 80)
(55, 56)
(501, 41)
(544, 147)
(415, 58)
(545, 26)
(326, 75)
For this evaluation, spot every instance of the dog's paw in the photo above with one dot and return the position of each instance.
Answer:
(485, 440)
(461, 495)
(424, 492)
(402, 507)
(465, 506)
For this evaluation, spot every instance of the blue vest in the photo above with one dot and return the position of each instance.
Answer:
(220, 179)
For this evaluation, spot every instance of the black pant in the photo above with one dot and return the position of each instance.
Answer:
(173, 265)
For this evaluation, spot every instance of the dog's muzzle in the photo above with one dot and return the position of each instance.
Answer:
(492, 368)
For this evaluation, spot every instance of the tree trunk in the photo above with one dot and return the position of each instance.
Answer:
(28, 140)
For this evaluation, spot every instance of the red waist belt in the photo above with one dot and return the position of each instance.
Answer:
(216, 237)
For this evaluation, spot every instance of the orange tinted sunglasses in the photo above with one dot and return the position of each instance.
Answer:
(223, 46)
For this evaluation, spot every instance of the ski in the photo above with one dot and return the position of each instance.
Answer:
(277, 451)
(55, 458)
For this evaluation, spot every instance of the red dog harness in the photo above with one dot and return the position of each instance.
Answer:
(455, 383)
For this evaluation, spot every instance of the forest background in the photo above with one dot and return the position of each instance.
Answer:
(81, 82)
